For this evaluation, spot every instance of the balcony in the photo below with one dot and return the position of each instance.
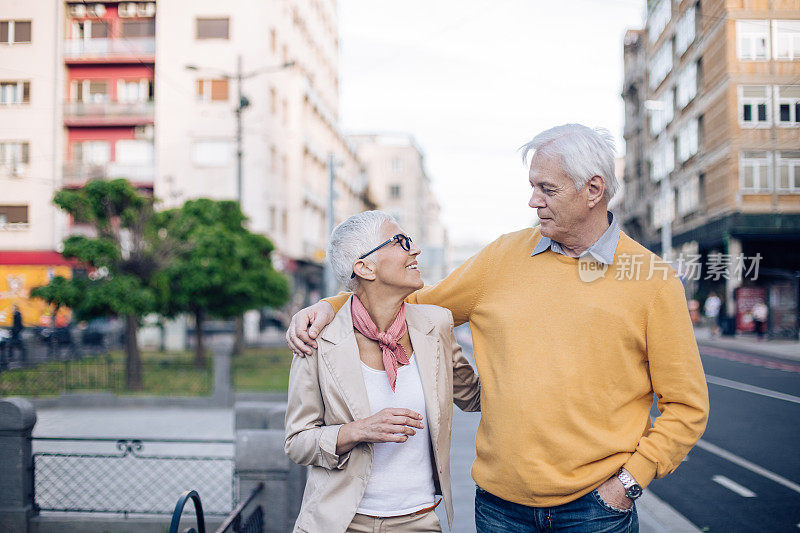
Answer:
(77, 173)
(108, 114)
(133, 50)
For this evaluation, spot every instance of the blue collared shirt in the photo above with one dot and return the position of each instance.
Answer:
(602, 250)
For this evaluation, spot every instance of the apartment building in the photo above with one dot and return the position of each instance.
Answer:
(712, 94)
(400, 186)
(282, 57)
(31, 71)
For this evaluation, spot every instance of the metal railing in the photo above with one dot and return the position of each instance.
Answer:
(79, 172)
(109, 48)
(108, 110)
(239, 521)
(102, 374)
(83, 476)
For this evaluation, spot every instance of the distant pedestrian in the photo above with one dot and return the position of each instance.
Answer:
(16, 336)
(760, 314)
(711, 309)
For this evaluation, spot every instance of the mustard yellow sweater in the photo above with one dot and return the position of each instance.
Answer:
(568, 368)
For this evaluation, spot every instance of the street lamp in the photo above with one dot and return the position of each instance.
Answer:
(241, 104)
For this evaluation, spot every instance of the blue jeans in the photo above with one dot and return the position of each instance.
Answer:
(587, 514)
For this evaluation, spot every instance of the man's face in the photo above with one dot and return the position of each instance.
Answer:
(561, 209)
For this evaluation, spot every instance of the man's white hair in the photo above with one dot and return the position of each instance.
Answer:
(583, 152)
(353, 238)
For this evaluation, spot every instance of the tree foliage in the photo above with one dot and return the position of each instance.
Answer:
(219, 268)
(119, 255)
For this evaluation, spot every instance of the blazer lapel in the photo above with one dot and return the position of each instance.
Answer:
(341, 357)
(427, 351)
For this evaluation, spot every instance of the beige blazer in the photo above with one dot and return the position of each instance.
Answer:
(327, 390)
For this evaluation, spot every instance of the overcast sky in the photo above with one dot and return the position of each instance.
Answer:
(473, 80)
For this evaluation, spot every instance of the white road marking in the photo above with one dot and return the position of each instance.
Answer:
(744, 463)
(722, 382)
(735, 487)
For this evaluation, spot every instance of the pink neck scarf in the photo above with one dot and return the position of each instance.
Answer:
(389, 341)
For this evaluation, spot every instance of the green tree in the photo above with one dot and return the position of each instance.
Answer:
(121, 257)
(221, 268)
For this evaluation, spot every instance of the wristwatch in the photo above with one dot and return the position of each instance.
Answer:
(632, 489)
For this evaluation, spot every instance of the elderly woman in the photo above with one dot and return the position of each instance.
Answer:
(371, 410)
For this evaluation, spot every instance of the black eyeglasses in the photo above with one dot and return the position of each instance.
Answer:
(403, 240)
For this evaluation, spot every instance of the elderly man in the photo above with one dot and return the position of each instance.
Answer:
(575, 326)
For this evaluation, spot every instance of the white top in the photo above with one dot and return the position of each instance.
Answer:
(401, 480)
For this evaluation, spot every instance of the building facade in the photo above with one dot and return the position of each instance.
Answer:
(712, 136)
(150, 92)
(400, 186)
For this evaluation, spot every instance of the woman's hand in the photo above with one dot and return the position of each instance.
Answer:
(393, 424)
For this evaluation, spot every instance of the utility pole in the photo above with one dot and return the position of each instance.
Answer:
(241, 104)
(329, 278)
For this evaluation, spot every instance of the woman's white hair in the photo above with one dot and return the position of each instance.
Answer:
(352, 238)
(584, 152)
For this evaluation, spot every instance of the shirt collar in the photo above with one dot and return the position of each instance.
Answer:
(602, 250)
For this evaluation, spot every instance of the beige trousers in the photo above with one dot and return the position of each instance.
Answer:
(423, 523)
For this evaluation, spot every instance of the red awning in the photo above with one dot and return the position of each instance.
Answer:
(35, 257)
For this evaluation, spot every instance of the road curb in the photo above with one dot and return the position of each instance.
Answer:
(657, 516)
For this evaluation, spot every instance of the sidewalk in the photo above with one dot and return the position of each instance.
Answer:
(784, 349)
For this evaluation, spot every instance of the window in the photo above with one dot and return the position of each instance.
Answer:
(138, 28)
(789, 171)
(752, 39)
(685, 32)
(13, 214)
(132, 91)
(13, 155)
(212, 28)
(687, 140)
(88, 29)
(211, 153)
(754, 105)
(787, 39)
(661, 112)
(686, 88)
(659, 18)
(688, 198)
(134, 152)
(212, 90)
(754, 171)
(91, 152)
(663, 159)
(788, 105)
(394, 192)
(90, 91)
(396, 165)
(661, 65)
(15, 92)
(15, 31)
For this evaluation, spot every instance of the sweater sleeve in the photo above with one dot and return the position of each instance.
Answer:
(679, 383)
(459, 292)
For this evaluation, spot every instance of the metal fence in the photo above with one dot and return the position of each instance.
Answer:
(112, 475)
(104, 374)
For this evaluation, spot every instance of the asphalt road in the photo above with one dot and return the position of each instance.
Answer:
(744, 474)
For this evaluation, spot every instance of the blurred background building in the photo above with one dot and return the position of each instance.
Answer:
(399, 185)
(712, 132)
(189, 99)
